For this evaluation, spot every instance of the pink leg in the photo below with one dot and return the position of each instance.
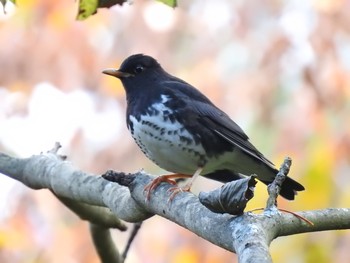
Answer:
(186, 188)
(163, 178)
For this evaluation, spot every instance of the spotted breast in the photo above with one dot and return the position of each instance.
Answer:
(164, 140)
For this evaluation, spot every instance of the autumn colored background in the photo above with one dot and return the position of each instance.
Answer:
(281, 69)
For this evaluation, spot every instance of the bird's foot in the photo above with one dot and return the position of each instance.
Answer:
(176, 189)
(186, 188)
(163, 178)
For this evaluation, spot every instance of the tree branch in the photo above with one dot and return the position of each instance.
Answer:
(275, 187)
(104, 245)
(135, 230)
(50, 172)
(245, 234)
(97, 215)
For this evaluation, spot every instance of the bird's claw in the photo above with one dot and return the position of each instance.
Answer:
(175, 190)
(154, 184)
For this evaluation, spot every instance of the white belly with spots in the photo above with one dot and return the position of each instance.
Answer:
(165, 145)
(166, 142)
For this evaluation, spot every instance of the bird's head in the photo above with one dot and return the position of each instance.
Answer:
(135, 68)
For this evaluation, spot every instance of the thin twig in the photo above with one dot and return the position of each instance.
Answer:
(135, 230)
(289, 212)
(298, 216)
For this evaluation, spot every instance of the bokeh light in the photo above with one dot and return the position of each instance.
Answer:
(279, 68)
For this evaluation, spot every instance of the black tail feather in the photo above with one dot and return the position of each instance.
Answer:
(289, 188)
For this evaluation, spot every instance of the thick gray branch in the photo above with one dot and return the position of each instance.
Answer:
(49, 171)
(245, 234)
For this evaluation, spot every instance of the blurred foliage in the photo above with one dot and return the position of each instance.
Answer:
(89, 7)
(279, 68)
(172, 3)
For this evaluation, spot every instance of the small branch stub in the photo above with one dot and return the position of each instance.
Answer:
(275, 187)
(120, 178)
(55, 150)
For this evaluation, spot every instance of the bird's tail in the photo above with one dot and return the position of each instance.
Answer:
(289, 188)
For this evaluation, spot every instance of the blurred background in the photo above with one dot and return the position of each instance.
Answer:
(280, 69)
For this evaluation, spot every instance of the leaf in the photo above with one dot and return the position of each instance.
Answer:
(172, 3)
(110, 3)
(231, 198)
(86, 8)
(89, 7)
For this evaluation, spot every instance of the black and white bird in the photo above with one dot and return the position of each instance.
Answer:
(182, 131)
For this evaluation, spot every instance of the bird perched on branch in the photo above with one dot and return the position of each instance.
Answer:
(183, 132)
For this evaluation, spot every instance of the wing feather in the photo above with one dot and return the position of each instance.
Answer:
(215, 119)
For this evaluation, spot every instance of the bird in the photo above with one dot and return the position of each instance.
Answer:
(182, 131)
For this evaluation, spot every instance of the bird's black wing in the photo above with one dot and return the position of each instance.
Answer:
(216, 120)
(221, 124)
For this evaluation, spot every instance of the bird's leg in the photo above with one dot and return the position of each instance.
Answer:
(187, 187)
(163, 178)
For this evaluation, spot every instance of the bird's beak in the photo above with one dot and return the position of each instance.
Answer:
(116, 73)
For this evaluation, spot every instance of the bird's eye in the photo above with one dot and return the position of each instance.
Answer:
(139, 69)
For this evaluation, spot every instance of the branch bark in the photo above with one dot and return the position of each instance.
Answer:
(104, 245)
(249, 234)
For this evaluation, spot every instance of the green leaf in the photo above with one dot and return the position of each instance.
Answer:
(87, 8)
(172, 3)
